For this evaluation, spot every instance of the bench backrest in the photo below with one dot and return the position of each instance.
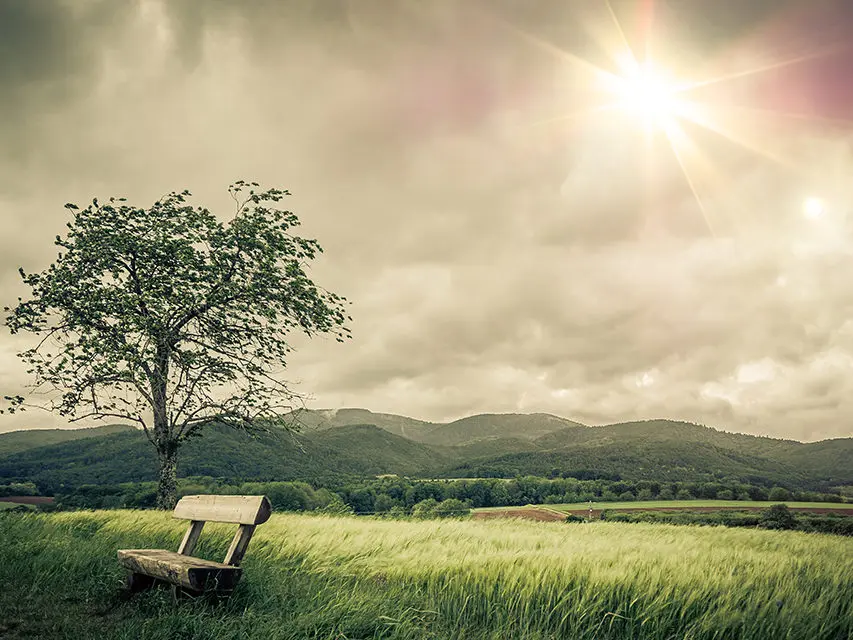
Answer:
(247, 511)
(236, 509)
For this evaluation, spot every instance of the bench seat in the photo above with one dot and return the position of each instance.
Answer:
(189, 572)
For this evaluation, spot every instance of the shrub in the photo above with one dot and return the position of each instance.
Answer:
(425, 508)
(778, 493)
(778, 516)
(451, 508)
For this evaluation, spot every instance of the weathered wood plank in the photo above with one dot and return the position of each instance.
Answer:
(239, 545)
(236, 509)
(191, 538)
(192, 573)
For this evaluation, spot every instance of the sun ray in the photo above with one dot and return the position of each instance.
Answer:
(780, 64)
(554, 50)
(670, 133)
(716, 125)
(672, 109)
(621, 32)
(845, 123)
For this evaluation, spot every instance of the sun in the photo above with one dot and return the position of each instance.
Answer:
(813, 208)
(645, 91)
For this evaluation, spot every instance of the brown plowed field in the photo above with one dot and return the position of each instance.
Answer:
(528, 513)
(546, 515)
(28, 499)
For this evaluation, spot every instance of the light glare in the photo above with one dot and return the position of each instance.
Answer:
(644, 91)
(813, 208)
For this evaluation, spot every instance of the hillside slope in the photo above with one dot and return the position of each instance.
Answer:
(16, 441)
(672, 450)
(489, 426)
(355, 450)
(307, 420)
(332, 445)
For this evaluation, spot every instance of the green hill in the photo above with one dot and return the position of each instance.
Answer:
(489, 426)
(321, 419)
(672, 450)
(354, 450)
(357, 442)
(16, 441)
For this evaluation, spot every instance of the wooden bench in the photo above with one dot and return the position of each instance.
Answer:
(194, 575)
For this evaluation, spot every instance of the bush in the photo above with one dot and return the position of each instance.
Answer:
(778, 516)
(337, 506)
(451, 508)
(778, 493)
(425, 508)
(384, 503)
(18, 489)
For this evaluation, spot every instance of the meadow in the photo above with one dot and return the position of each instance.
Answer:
(694, 504)
(345, 577)
(4, 506)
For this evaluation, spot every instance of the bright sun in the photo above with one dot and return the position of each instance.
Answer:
(644, 91)
(813, 208)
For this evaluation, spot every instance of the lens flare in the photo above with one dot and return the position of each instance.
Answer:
(645, 91)
(813, 208)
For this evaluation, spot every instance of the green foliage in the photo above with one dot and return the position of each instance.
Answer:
(169, 312)
(18, 489)
(425, 508)
(451, 508)
(18, 441)
(323, 577)
(699, 460)
(779, 493)
(778, 516)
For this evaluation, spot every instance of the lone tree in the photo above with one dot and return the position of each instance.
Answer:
(172, 319)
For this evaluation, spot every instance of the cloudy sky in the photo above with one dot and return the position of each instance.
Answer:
(511, 239)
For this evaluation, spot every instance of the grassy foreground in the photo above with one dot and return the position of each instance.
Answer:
(323, 577)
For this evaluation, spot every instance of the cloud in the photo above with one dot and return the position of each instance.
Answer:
(498, 257)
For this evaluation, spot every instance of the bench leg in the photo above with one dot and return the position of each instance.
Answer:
(139, 582)
(182, 593)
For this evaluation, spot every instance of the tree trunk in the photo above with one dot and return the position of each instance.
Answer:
(167, 489)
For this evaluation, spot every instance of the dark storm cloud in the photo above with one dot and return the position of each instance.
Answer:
(499, 256)
(49, 56)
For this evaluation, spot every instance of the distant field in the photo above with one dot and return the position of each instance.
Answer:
(11, 505)
(680, 504)
(702, 504)
(28, 499)
(323, 578)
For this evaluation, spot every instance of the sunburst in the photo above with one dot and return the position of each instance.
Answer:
(643, 90)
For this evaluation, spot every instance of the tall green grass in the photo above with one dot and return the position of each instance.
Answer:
(325, 577)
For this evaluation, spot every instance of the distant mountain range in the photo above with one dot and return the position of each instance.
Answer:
(335, 444)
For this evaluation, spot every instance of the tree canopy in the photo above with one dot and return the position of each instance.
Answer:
(170, 318)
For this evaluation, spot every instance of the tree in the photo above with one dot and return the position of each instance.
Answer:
(174, 320)
(779, 493)
(451, 508)
(778, 516)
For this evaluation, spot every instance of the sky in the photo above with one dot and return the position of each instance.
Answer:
(514, 236)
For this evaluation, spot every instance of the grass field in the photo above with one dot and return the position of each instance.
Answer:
(683, 504)
(323, 577)
(11, 505)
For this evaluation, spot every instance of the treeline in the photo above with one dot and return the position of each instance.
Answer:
(778, 516)
(18, 489)
(398, 495)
